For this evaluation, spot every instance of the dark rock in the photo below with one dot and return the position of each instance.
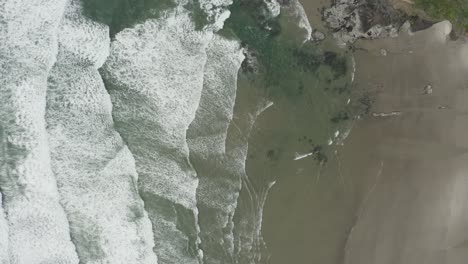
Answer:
(250, 63)
(368, 19)
(418, 24)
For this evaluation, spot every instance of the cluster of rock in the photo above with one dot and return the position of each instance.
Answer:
(368, 19)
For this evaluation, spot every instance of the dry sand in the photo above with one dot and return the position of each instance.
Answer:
(395, 192)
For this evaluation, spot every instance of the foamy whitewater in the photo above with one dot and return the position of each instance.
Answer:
(155, 72)
(95, 171)
(38, 230)
(130, 150)
(218, 187)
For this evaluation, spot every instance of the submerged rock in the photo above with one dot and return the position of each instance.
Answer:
(428, 89)
(317, 35)
(250, 64)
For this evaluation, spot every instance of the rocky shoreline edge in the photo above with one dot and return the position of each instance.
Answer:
(350, 20)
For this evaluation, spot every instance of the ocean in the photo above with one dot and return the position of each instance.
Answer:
(154, 131)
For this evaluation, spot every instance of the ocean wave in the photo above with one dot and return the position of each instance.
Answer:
(95, 174)
(218, 187)
(171, 100)
(95, 171)
(155, 77)
(86, 40)
(38, 228)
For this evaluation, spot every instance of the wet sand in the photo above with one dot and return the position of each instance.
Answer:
(415, 212)
(394, 192)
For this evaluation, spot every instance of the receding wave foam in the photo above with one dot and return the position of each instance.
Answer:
(249, 245)
(38, 228)
(216, 11)
(155, 77)
(218, 187)
(4, 258)
(95, 171)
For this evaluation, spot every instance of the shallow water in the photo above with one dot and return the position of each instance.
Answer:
(300, 121)
(312, 207)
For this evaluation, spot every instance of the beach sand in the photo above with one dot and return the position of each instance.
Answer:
(415, 211)
(395, 192)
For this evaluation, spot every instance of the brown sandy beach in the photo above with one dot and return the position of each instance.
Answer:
(415, 212)
(395, 192)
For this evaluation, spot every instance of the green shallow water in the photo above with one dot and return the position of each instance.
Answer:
(309, 83)
(120, 14)
(310, 87)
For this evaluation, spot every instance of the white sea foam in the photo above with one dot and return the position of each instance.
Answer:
(38, 228)
(216, 11)
(242, 241)
(155, 77)
(95, 171)
(210, 4)
(218, 187)
(161, 61)
(218, 96)
(86, 40)
(4, 258)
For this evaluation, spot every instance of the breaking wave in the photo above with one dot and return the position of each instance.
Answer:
(155, 78)
(218, 187)
(38, 230)
(95, 171)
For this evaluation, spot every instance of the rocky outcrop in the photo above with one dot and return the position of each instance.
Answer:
(368, 19)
